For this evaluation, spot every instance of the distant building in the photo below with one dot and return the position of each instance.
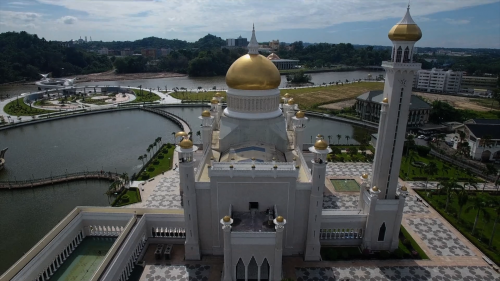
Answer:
(126, 52)
(151, 53)
(239, 42)
(471, 83)
(368, 106)
(165, 52)
(274, 45)
(103, 51)
(283, 63)
(475, 131)
(437, 81)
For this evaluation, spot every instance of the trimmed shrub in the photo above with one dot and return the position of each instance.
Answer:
(423, 150)
(125, 198)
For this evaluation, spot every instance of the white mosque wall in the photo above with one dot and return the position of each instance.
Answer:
(205, 223)
(262, 248)
(388, 212)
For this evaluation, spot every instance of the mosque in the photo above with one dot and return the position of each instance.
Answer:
(251, 191)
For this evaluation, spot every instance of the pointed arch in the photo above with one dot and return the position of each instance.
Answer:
(265, 271)
(253, 270)
(381, 233)
(407, 55)
(240, 271)
(399, 53)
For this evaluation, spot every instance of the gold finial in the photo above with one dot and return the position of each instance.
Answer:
(374, 188)
(404, 188)
(232, 158)
(218, 95)
(385, 100)
(275, 166)
(214, 101)
(321, 145)
(205, 113)
(294, 158)
(253, 158)
(226, 218)
(231, 167)
(253, 166)
(291, 101)
(300, 114)
(297, 166)
(364, 175)
(181, 134)
(280, 219)
(186, 144)
(287, 95)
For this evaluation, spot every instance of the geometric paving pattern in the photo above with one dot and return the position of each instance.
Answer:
(412, 206)
(413, 273)
(348, 169)
(177, 272)
(438, 237)
(166, 195)
(340, 202)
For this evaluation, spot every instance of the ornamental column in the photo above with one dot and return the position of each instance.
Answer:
(289, 110)
(185, 151)
(206, 129)
(320, 150)
(370, 220)
(362, 190)
(278, 249)
(215, 109)
(228, 261)
(299, 123)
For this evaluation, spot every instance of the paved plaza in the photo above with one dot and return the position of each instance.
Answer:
(348, 169)
(410, 273)
(165, 194)
(340, 202)
(189, 272)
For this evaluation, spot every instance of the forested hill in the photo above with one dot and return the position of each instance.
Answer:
(24, 56)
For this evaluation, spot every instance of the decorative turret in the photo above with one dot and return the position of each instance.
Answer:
(206, 131)
(404, 35)
(299, 123)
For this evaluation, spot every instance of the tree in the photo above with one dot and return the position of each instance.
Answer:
(412, 156)
(173, 136)
(448, 187)
(198, 134)
(347, 137)
(142, 159)
(149, 150)
(339, 136)
(329, 139)
(431, 169)
(463, 197)
(495, 203)
(479, 204)
(485, 142)
(159, 140)
(125, 179)
(155, 144)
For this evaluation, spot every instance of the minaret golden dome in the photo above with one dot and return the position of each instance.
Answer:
(218, 95)
(406, 29)
(280, 219)
(181, 134)
(226, 218)
(186, 144)
(291, 101)
(321, 145)
(214, 101)
(300, 114)
(205, 113)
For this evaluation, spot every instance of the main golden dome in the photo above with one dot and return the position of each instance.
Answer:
(253, 72)
(405, 30)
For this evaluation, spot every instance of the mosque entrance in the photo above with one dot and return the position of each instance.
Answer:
(252, 271)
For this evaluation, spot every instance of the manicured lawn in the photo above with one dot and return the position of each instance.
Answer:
(483, 230)
(490, 103)
(337, 156)
(146, 96)
(19, 108)
(444, 170)
(194, 96)
(162, 162)
(127, 197)
(345, 185)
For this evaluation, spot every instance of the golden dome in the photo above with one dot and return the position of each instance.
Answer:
(291, 101)
(181, 134)
(404, 188)
(205, 113)
(226, 218)
(280, 219)
(218, 95)
(287, 95)
(214, 101)
(364, 175)
(186, 144)
(375, 189)
(385, 100)
(405, 30)
(253, 72)
(321, 145)
(300, 114)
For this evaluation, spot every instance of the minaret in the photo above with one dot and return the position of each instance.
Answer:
(279, 223)
(215, 109)
(206, 129)
(253, 45)
(320, 150)
(299, 123)
(289, 109)
(400, 71)
(185, 151)
(226, 222)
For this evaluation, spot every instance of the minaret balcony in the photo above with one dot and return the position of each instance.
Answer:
(400, 65)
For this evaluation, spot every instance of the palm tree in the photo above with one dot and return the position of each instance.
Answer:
(329, 140)
(198, 134)
(463, 197)
(173, 136)
(431, 169)
(125, 179)
(145, 156)
(479, 203)
(448, 187)
(412, 156)
(149, 150)
(495, 203)
(158, 139)
(347, 137)
(339, 136)
(142, 159)
(155, 144)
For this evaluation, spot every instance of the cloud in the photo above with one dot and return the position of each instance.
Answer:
(18, 3)
(20, 19)
(456, 22)
(68, 20)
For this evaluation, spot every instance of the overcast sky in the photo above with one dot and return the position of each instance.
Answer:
(444, 23)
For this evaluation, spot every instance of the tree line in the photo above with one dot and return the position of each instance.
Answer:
(24, 56)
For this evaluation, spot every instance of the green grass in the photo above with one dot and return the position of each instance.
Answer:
(345, 185)
(483, 228)
(413, 243)
(489, 103)
(19, 108)
(127, 197)
(417, 172)
(146, 96)
(95, 101)
(159, 164)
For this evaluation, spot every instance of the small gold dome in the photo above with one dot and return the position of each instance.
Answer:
(321, 145)
(287, 95)
(404, 188)
(186, 144)
(181, 134)
(280, 219)
(253, 72)
(253, 166)
(405, 30)
(226, 219)
(291, 101)
(214, 101)
(275, 166)
(300, 114)
(385, 100)
(374, 188)
(205, 113)
(218, 95)
(364, 175)
(319, 136)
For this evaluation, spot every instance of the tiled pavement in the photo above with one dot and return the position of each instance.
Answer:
(438, 238)
(176, 273)
(342, 202)
(165, 194)
(348, 169)
(413, 273)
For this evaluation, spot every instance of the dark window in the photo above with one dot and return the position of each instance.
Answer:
(253, 205)
(381, 233)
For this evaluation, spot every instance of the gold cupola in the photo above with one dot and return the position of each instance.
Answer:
(205, 113)
(406, 29)
(300, 114)
(186, 144)
(253, 71)
(321, 144)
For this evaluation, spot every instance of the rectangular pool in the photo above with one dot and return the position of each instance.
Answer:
(345, 185)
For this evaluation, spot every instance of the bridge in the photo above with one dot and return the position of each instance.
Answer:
(176, 119)
(99, 175)
(344, 120)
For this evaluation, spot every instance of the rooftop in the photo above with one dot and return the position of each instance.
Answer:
(251, 222)
(481, 130)
(377, 97)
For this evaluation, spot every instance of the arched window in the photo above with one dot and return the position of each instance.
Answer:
(381, 233)
(264, 271)
(398, 54)
(240, 271)
(253, 270)
(393, 54)
(407, 55)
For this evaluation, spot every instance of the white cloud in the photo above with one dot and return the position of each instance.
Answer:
(68, 20)
(455, 21)
(20, 19)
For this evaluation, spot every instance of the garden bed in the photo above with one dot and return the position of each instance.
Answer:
(127, 196)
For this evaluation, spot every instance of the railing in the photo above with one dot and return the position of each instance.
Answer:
(59, 178)
(461, 164)
(185, 127)
(280, 166)
(340, 233)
